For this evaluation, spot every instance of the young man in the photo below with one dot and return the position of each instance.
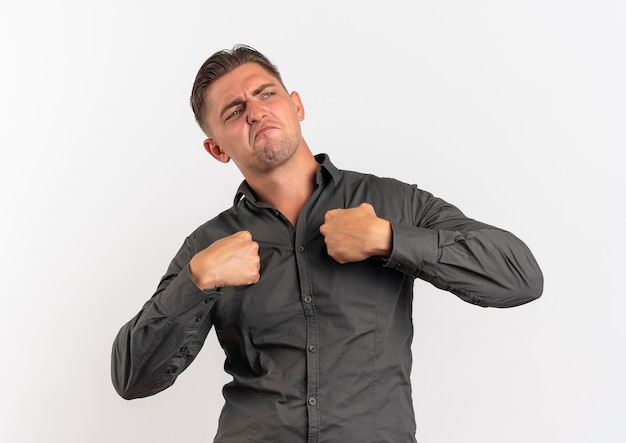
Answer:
(308, 277)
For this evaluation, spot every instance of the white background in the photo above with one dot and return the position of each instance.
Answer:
(514, 111)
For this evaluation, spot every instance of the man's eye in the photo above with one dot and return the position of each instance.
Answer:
(235, 113)
(268, 94)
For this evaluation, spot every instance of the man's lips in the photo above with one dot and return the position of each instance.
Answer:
(263, 130)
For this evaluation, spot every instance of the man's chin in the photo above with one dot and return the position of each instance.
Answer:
(274, 157)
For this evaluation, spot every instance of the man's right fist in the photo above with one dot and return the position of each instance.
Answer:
(229, 261)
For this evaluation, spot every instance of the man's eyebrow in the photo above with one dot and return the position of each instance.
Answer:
(238, 101)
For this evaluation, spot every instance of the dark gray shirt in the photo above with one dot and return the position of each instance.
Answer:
(320, 351)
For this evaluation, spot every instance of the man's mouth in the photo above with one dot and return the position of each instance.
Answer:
(263, 131)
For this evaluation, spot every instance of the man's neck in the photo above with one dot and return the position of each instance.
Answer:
(289, 187)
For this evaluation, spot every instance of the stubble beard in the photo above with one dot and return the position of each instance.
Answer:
(275, 154)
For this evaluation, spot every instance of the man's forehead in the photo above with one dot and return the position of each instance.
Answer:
(239, 82)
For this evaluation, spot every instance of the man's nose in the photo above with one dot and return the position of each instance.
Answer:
(255, 111)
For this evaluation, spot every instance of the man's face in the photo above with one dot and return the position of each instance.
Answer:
(252, 120)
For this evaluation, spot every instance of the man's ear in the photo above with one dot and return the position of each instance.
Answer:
(297, 102)
(215, 150)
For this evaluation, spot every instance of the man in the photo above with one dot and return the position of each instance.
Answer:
(308, 277)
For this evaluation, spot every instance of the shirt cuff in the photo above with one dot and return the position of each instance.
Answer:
(182, 294)
(415, 251)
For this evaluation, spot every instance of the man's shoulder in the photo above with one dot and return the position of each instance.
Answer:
(358, 178)
(352, 177)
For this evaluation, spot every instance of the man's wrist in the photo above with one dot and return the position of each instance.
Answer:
(384, 238)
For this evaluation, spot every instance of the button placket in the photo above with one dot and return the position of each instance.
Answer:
(311, 376)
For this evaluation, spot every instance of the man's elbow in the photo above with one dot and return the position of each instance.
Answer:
(125, 394)
(131, 387)
(136, 391)
(535, 286)
(530, 289)
(509, 294)
(121, 385)
(525, 284)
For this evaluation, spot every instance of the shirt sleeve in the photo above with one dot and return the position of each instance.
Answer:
(161, 341)
(481, 264)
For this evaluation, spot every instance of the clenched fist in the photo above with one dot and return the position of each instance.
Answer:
(354, 234)
(230, 261)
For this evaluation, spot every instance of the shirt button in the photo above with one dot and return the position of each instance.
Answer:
(312, 348)
(312, 401)
(308, 299)
(300, 248)
(199, 318)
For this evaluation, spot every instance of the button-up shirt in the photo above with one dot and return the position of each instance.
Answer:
(320, 351)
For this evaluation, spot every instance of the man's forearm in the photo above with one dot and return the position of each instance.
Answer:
(486, 267)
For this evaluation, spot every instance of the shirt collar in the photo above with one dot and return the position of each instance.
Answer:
(326, 170)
